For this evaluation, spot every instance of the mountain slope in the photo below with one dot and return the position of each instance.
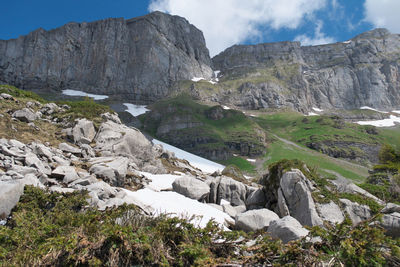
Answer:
(134, 59)
(360, 72)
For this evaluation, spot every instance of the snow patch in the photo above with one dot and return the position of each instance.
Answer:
(248, 177)
(160, 182)
(347, 42)
(3, 222)
(396, 111)
(203, 164)
(251, 160)
(176, 205)
(226, 107)
(135, 110)
(197, 79)
(312, 114)
(225, 202)
(369, 108)
(392, 121)
(81, 93)
(216, 73)
(317, 109)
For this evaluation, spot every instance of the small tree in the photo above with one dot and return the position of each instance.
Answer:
(387, 154)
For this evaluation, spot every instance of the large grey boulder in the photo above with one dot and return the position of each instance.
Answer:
(232, 191)
(297, 193)
(355, 211)
(138, 58)
(25, 115)
(191, 187)
(391, 223)
(330, 212)
(254, 220)
(66, 173)
(256, 199)
(390, 208)
(111, 169)
(31, 160)
(113, 139)
(10, 193)
(69, 149)
(287, 229)
(83, 131)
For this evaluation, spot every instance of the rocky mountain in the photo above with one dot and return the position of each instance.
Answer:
(134, 59)
(363, 71)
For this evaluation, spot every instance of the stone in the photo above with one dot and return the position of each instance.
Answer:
(65, 172)
(31, 160)
(256, 200)
(287, 229)
(42, 150)
(10, 193)
(49, 108)
(390, 208)
(233, 210)
(391, 223)
(298, 198)
(25, 115)
(111, 117)
(232, 191)
(69, 149)
(356, 212)
(60, 161)
(111, 169)
(254, 220)
(83, 131)
(191, 187)
(7, 96)
(330, 212)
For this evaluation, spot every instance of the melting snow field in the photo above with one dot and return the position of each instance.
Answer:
(312, 114)
(203, 164)
(317, 109)
(175, 204)
(160, 181)
(197, 79)
(135, 110)
(226, 107)
(382, 123)
(81, 93)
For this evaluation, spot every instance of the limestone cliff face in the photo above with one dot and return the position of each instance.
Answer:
(364, 71)
(134, 59)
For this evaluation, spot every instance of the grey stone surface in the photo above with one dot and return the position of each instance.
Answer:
(287, 229)
(25, 115)
(391, 223)
(232, 191)
(191, 187)
(83, 131)
(9, 197)
(348, 75)
(137, 59)
(111, 169)
(69, 149)
(298, 199)
(253, 220)
(356, 212)
(256, 199)
(390, 208)
(330, 212)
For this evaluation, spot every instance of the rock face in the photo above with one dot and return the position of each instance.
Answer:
(136, 59)
(253, 220)
(287, 229)
(360, 72)
(191, 187)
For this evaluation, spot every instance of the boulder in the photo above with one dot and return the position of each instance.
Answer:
(31, 160)
(111, 169)
(69, 149)
(287, 229)
(66, 173)
(297, 193)
(254, 220)
(49, 108)
(83, 131)
(111, 117)
(391, 223)
(7, 96)
(356, 212)
(25, 115)
(191, 187)
(330, 212)
(232, 191)
(10, 193)
(256, 200)
(390, 208)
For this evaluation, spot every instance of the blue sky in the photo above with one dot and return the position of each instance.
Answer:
(224, 22)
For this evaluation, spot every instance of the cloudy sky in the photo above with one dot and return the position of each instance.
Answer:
(223, 22)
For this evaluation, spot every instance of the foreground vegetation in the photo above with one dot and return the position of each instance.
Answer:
(60, 229)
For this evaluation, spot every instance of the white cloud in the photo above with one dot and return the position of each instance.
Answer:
(228, 22)
(318, 39)
(383, 13)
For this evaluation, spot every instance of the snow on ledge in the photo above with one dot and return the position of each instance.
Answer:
(317, 109)
(392, 121)
(369, 108)
(312, 114)
(81, 93)
(135, 110)
(226, 107)
(251, 160)
(203, 164)
(197, 79)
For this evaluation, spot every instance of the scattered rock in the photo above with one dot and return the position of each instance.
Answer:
(254, 220)
(256, 200)
(330, 212)
(191, 187)
(69, 149)
(390, 208)
(287, 229)
(10, 193)
(111, 169)
(25, 115)
(83, 131)
(356, 212)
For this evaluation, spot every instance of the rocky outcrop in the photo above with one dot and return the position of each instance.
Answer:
(136, 59)
(360, 72)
